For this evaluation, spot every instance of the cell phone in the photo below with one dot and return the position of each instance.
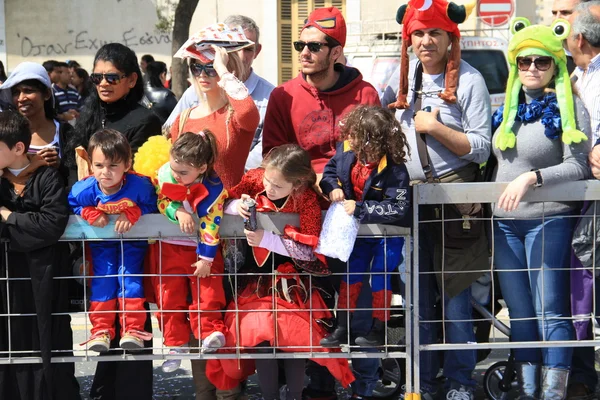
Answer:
(427, 109)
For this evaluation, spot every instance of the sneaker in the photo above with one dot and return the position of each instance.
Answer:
(462, 393)
(134, 340)
(212, 342)
(100, 342)
(424, 395)
(174, 364)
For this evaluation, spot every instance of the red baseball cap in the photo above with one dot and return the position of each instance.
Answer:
(330, 21)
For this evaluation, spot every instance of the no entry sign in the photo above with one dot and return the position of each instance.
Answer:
(495, 12)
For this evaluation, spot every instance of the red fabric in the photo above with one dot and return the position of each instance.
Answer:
(232, 147)
(293, 233)
(306, 204)
(349, 293)
(194, 193)
(358, 176)
(133, 214)
(132, 314)
(382, 299)
(299, 113)
(338, 32)
(293, 329)
(435, 16)
(173, 292)
(91, 214)
(102, 316)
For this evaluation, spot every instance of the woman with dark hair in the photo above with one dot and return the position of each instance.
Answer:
(115, 104)
(162, 99)
(81, 80)
(30, 91)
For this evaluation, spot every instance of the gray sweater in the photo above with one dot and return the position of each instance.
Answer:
(556, 161)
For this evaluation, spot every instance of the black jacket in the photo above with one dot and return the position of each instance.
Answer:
(38, 220)
(386, 195)
(162, 99)
(137, 124)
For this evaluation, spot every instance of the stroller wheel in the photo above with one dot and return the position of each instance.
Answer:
(391, 378)
(492, 382)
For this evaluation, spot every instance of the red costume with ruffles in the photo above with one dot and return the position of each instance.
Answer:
(283, 320)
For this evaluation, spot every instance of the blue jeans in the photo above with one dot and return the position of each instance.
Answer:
(458, 364)
(365, 369)
(536, 289)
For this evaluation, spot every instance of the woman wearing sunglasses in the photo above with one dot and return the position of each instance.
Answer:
(115, 104)
(116, 101)
(225, 107)
(541, 138)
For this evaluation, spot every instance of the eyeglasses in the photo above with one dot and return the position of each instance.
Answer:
(111, 78)
(196, 70)
(326, 23)
(313, 47)
(541, 63)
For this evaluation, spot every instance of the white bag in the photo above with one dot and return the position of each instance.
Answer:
(338, 234)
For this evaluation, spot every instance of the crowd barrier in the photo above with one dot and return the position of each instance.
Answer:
(408, 347)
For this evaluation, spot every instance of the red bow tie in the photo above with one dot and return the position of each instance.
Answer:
(194, 194)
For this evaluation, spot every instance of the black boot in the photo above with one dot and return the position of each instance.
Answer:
(340, 335)
(375, 337)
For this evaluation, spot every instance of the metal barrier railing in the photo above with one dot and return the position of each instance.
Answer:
(486, 193)
(156, 228)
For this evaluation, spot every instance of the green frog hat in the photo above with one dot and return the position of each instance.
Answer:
(538, 40)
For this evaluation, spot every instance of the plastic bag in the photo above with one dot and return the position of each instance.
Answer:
(338, 234)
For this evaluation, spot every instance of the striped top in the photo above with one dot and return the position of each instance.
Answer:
(66, 99)
(588, 85)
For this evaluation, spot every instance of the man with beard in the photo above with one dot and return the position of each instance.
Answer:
(306, 110)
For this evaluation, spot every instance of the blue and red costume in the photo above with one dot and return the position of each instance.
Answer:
(382, 194)
(120, 264)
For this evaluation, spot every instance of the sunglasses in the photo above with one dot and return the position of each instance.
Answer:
(313, 47)
(196, 70)
(541, 63)
(111, 78)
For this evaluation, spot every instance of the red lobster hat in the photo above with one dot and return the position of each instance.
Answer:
(427, 14)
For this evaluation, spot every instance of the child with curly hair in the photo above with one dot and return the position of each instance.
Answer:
(369, 176)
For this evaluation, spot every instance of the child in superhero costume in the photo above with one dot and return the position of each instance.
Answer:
(274, 296)
(368, 175)
(189, 185)
(112, 189)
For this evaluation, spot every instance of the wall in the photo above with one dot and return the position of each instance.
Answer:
(39, 30)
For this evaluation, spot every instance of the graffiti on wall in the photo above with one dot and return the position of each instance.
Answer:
(82, 40)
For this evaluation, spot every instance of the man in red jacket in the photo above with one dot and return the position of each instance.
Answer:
(306, 110)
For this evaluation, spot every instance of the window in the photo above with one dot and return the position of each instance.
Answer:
(292, 14)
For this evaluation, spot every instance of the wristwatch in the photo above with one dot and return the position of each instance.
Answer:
(539, 181)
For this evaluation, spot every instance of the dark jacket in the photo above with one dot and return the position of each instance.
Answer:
(33, 259)
(137, 124)
(386, 195)
(162, 99)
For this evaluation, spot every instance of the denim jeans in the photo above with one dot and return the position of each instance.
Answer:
(536, 289)
(458, 364)
(365, 369)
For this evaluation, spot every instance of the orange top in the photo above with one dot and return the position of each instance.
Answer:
(241, 126)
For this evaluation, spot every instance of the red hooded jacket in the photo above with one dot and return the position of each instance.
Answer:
(300, 113)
